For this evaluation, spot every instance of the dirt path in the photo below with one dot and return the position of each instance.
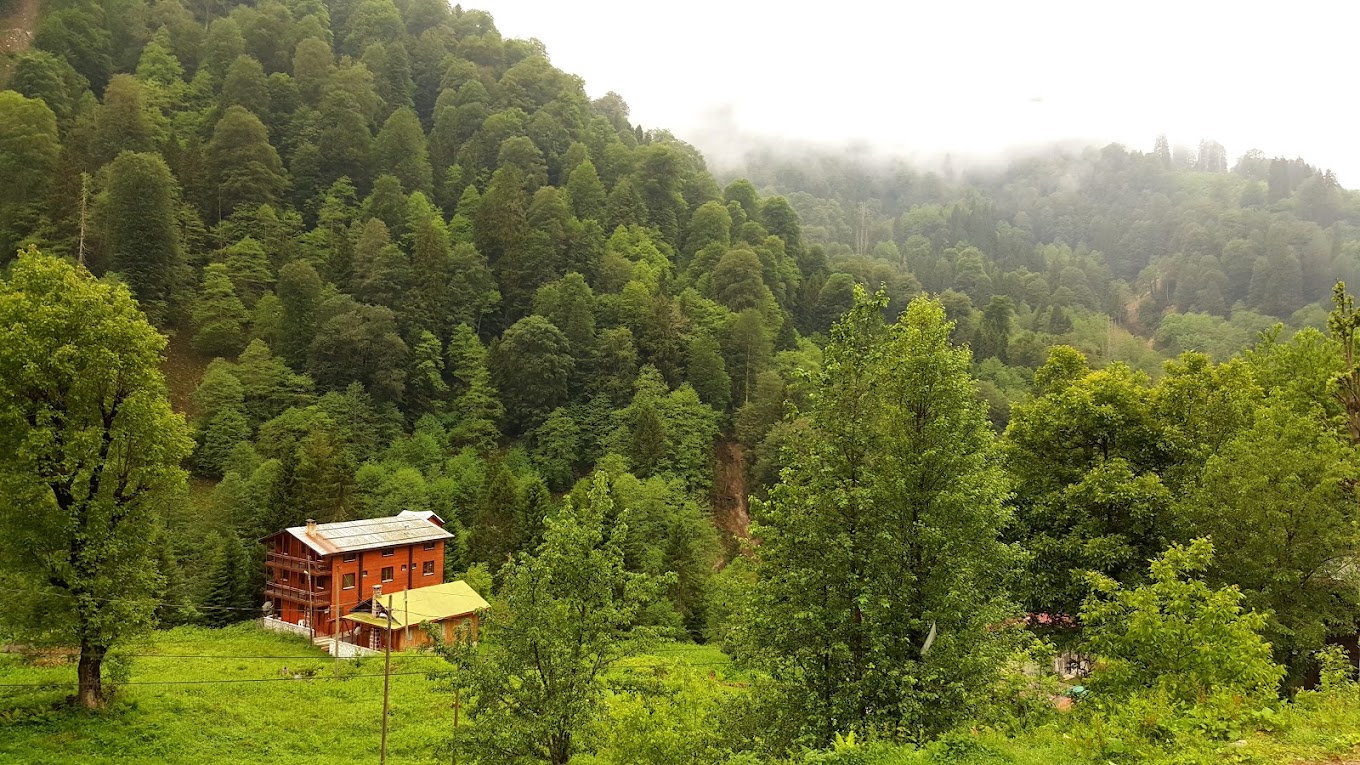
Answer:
(731, 513)
(18, 22)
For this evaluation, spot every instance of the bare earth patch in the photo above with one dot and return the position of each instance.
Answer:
(18, 22)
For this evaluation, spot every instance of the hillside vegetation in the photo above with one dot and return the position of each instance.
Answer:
(379, 258)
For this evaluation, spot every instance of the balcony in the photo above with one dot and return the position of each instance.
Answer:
(301, 565)
(295, 594)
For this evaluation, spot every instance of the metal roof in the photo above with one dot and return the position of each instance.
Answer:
(367, 534)
(423, 604)
(424, 515)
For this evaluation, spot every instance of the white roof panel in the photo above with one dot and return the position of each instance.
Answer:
(367, 534)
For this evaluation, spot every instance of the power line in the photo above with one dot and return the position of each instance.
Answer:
(55, 684)
(116, 652)
(258, 610)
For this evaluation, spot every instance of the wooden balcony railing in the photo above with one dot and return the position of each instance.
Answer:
(300, 565)
(297, 594)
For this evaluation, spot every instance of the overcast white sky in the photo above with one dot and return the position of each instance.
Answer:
(973, 78)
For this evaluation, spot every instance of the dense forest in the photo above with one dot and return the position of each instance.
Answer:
(1102, 249)
(872, 430)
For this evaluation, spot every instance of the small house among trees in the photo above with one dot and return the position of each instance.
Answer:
(317, 573)
(452, 608)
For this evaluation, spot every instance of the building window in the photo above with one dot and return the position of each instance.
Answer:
(428, 546)
(347, 581)
(427, 568)
(387, 574)
(389, 552)
(284, 575)
(350, 557)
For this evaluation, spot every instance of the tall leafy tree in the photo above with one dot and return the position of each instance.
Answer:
(881, 569)
(1086, 455)
(91, 450)
(1279, 503)
(564, 618)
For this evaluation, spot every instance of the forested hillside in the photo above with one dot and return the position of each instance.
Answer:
(1082, 247)
(433, 273)
(394, 261)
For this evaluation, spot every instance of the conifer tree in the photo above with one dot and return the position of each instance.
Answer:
(400, 150)
(219, 314)
(245, 166)
(300, 292)
(587, 193)
(138, 214)
(229, 597)
(531, 366)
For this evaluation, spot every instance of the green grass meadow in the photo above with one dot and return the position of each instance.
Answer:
(301, 706)
(276, 720)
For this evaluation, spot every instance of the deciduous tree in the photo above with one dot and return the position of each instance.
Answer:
(90, 451)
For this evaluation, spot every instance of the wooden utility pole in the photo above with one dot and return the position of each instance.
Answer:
(387, 680)
(457, 705)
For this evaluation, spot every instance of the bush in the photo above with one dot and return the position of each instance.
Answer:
(1176, 636)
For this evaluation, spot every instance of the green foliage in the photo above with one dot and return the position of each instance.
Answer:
(245, 166)
(653, 331)
(91, 450)
(138, 214)
(400, 150)
(565, 618)
(531, 366)
(882, 534)
(1177, 660)
(356, 342)
(1279, 502)
(219, 314)
(1084, 453)
(28, 154)
(1176, 635)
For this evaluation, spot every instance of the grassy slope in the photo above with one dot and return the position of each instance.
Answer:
(280, 722)
(286, 721)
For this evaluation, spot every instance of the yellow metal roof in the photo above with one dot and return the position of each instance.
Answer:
(425, 604)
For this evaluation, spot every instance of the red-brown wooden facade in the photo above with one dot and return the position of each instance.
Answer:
(310, 583)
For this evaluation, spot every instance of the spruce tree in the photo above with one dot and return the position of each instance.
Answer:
(587, 193)
(245, 166)
(219, 315)
(400, 150)
(229, 598)
(140, 229)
